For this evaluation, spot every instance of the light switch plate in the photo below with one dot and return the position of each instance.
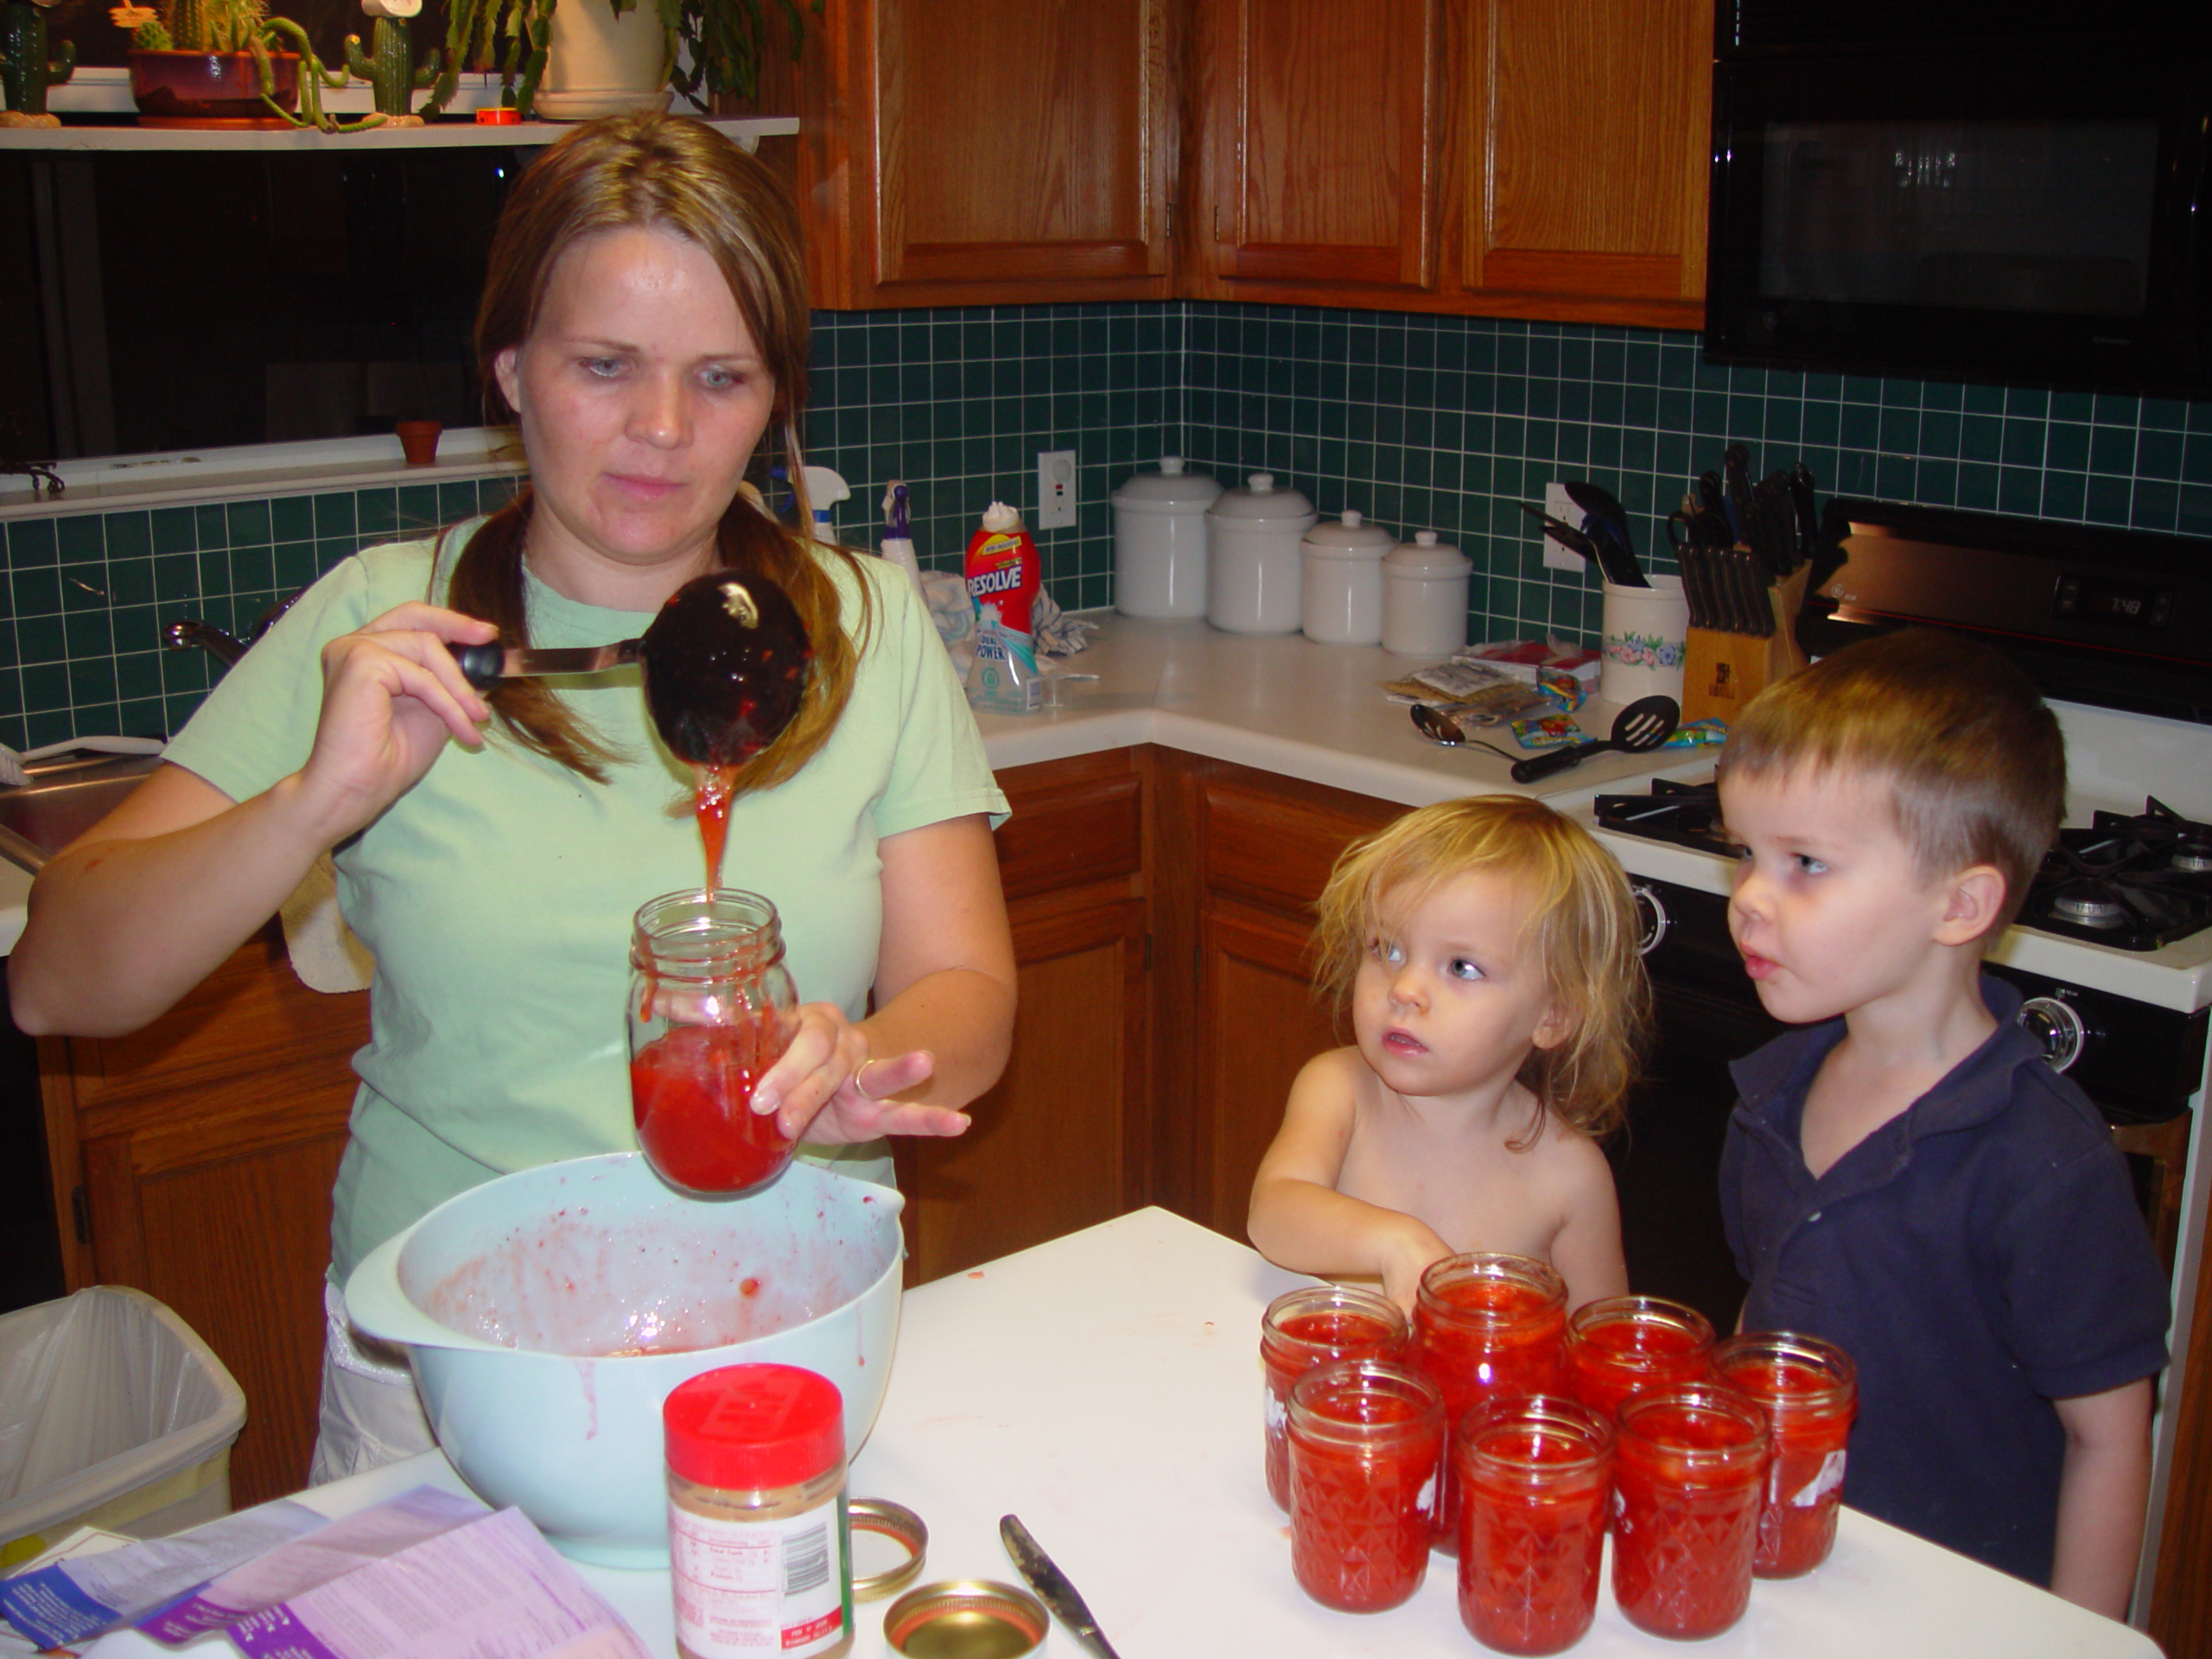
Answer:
(1056, 489)
(1557, 504)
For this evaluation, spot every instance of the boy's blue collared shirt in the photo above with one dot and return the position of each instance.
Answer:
(1979, 1256)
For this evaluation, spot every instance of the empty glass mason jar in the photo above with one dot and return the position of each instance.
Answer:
(711, 1008)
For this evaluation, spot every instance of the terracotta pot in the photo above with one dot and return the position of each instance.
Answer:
(420, 440)
(200, 89)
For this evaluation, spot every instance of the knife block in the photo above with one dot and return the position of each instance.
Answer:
(1722, 672)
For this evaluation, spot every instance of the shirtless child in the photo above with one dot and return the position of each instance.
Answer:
(1488, 947)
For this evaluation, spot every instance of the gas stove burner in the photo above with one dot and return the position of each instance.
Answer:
(2190, 857)
(2087, 905)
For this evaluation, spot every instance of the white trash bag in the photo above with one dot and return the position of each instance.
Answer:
(113, 1413)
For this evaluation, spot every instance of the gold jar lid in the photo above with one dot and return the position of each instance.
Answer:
(905, 1529)
(966, 1618)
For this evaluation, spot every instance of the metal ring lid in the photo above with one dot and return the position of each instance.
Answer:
(904, 1527)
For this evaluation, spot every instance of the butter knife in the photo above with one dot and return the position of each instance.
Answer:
(1051, 1586)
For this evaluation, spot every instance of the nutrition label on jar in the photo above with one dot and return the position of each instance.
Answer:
(759, 1586)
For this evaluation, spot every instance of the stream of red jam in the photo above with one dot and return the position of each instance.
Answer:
(1810, 1426)
(1532, 1533)
(1686, 1521)
(691, 1092)
(711, 807)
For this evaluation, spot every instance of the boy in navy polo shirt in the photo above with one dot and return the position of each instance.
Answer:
(1905, 1177)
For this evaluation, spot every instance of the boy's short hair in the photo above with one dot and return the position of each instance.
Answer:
(1974, 761)
(1582, 922)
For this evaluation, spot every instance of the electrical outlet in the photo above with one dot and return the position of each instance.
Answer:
(1056, 489)
(1557, 504)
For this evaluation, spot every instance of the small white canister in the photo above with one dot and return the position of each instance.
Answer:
(1344, 581)
(1424, 597)
(1159, 541)
(1254, 557)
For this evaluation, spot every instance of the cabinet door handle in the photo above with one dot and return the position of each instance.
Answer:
(80, 1213)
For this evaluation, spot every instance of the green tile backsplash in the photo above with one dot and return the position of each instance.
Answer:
(1420, 422)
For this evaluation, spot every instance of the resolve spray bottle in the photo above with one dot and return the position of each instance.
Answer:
(1003, 575)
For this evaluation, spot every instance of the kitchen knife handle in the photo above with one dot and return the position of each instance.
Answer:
(481, 665)
(1542, 766)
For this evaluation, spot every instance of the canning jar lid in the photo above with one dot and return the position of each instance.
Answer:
(1169, 490)
(1425, 556)
(1262, 502)
(1350, 538)
(754, 1427)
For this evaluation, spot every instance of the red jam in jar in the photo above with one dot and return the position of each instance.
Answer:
(1621, 1346)
(1809, 1391)
(1486, 1326)
(1689, 1470)
(1366, 1440)
(1311, 1327)
(1535, 1476)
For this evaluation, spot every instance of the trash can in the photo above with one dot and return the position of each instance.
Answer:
(113, 1414)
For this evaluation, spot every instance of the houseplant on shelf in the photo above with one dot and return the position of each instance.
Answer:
(392, 76)
(25, 72)
(595, 57)
(222, 63)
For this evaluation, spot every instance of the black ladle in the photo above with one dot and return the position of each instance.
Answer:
(725, 662)
(1644, 724)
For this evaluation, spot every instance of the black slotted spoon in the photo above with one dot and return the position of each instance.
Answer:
(1644, 724)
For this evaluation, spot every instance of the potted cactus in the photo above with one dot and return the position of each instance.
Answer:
(207, 62)
(392, 75)
(25, 72)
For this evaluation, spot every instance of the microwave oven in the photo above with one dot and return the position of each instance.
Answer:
(2012, 190)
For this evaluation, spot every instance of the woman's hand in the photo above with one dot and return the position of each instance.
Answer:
(392, 696)
(827, 1088)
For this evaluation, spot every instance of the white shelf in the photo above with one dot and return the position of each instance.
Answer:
(441, 135)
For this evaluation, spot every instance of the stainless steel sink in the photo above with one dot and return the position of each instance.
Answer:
(64, 798)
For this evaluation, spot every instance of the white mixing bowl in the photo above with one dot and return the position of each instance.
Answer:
(525, 1304)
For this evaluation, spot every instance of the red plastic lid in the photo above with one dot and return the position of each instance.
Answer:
(754, 1427)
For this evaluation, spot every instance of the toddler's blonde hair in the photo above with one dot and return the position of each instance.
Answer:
(1582, 922)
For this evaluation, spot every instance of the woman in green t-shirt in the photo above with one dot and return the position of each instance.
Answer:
(645, 322)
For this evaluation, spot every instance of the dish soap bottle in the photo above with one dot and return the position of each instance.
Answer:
(898, 539)
(1002, 579)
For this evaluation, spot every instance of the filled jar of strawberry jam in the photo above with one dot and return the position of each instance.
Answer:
(1809, 1390)
(1689, 1470)
(711, 1008)
(1312, 1326)
(1620, 1345)
(1366, 1440)
(1486, 1324)
(1535, 1478)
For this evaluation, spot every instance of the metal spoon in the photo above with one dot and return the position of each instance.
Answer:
(1442, 728)
(1644, 724)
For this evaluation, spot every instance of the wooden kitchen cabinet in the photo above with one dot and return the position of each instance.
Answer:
(1064, 1140)
(982, 152)
(1319, 125)
(196, 1159)
(1533, 158)
(1245, 854)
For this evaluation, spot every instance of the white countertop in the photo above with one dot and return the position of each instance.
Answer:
(1106, 1388)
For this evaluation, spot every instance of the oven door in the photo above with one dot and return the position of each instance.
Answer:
(1667, 1163)
(1991, 211)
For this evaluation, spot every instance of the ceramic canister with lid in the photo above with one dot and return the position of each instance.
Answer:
(1159, 541)
(1254, 557)
(1342, 604)
(1424, 597)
